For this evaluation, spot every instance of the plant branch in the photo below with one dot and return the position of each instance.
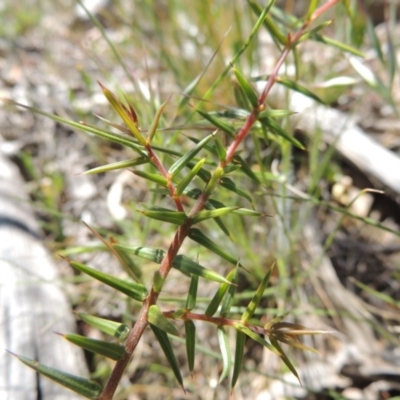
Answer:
(182, 232)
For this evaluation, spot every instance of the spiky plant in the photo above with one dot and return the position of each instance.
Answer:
(190, 179)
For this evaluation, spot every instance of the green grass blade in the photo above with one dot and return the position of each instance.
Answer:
(261, 14)
(384, 297)
(85, 387)
(374, 39)
(121, 62)
(106, 349)
(131, 289)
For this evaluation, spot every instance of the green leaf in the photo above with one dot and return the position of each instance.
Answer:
(110, 136)
(381, 296)
(247, 212)
(251, 308)
(334, 43)
(284, 358)
(203, 174)
(192, 294)
(311, 8)
(277, 130)
(183, 161)
(148, 253)
(220, 293)
(238, 361)
(275, 113)
(157, 178)
(112, 328)
(245, 168)
(374, 39)
(122, 112)
(227, 183)
(229, 297)
(129, 266)
(127, 263)
(366, 73)
(219, 123)
(156, 318)
(181, 186)
(298, 88)
(242, 328)
(311, 33)
(153, 128)
(179, 313)
(214, 181)
(194, 194)
(185, 265)
(248, 90)
(199, 237)
(85, 387)
(106, 349)
(207, 214)
(118, 165)
(190, 333)
(231, 168)
(276, 33)
(158, 282)
(391, 59)
(134, 290)
(241, 99)
(165, 215)
(165, 344)
(225, 352)
(220, 149)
